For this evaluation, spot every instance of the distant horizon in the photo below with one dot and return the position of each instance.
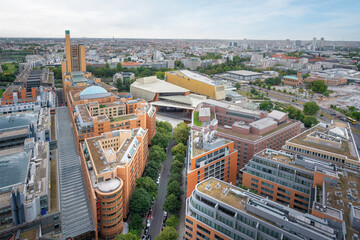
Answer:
(335, 20)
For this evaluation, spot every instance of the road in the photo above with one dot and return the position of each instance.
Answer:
(157, 215)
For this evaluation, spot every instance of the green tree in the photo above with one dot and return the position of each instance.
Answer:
(164, 125)
(266, 106)
(148, 184)
(175, 177)
(4, 67)
(139, 201)
(181, 133)
(151, 171)
(160, 75)
(172, 221)
(254, 92)
(160, 139)
(176, 167)
(180, 148)
(179, 157)
(156, 153)
(311, 108)
(319, 86)
(237, 85)
(136, 223)
(119, 84)
(310, 121)
(127, 236)
(169, 233)
(172, 204)
(174, 188)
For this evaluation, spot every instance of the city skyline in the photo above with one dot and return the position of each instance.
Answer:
(271, 19)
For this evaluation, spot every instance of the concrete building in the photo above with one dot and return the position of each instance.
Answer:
(196, 83)
(209, 156)
(218, 210)
(250, 130)
(328, 142)
(123, 76)
(331, 80)
(94, 111)
(244, 75)
(111, 163)
(25, 174)
(75, 56)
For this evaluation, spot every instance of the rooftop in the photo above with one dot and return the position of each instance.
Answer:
(263, 123)
(14, 168)
(198, 77)
(124, 117)
(245, 73)
(153, 84)
(291, 77)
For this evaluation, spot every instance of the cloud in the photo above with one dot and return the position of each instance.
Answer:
(237, 19)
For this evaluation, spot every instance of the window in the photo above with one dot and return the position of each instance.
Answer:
(203, 229)
(189, 221)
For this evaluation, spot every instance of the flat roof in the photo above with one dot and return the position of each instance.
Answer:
(245, 73)
(263, 123)
(14, 168)
(291, 77)
(155, 85)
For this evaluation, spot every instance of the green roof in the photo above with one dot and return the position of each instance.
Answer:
(291, 77)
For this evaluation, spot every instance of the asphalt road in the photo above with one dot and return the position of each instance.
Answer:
(158, 211)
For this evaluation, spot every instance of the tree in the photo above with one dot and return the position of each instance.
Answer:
(119, 84)
(127, 236)
(180, 148)
(266, 106)
(174, 188)
(175, 177)
(172, 221)
(319, 86)
(164, 125)
(160, 139)
(157, 153)
(136, 223)
(176, 167)
(179, 157)
(311, 108)
(151, 171)
(310, 121)
(4, 67)
(140, 201)
(160, 75)
(148, 184)
(172, 204)
(181, 133)
(254, 92)
(237, 85)
(169, 233)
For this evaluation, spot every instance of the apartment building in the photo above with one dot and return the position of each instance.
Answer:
(196, 83)
(221, 211)
(209, 156)
(111, 163)
(328, 142)
(250, 130)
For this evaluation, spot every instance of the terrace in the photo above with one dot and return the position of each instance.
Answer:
(124, 117)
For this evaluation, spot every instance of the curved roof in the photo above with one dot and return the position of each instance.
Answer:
(92, 90)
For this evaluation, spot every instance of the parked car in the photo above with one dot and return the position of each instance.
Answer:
(143, 237)
(146, 232)
(148, 222)
(148, 237)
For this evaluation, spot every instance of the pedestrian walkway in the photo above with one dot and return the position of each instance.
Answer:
(76, 217)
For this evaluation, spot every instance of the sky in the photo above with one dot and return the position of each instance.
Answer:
(182, 19)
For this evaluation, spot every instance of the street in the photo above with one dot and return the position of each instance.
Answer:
(158, 211)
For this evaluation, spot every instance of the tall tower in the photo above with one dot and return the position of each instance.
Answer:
(68, 51)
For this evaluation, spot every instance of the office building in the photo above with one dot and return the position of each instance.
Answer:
(196, 83)
(111, 163)
(123, 76)
(328, 142)
(221, 211)
(329, 79)
(25, 174)
(75, 56)
(94, 111)
(209, 156)
(250, 130)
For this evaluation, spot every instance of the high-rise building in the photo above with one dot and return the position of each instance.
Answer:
(111, 163)
(221, 211)
(314, 43)
(209, 156)
(298, 43)
(75, 56)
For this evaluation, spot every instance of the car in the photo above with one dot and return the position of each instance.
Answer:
(153, 200)
(149, 215)
(163, 226)
(148, 237)
(146, 232)
(147, 222)
(143, 237)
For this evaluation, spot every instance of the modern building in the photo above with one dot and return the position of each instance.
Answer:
(123, 76)
(244, 75)
(111, 163)
(25, 174)
(196, 83)
(293, 80)
(250, 130)
(166, 97)
(94, 111)
(75, 56)
(209, 156)
(328, 142)
(221, 211)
